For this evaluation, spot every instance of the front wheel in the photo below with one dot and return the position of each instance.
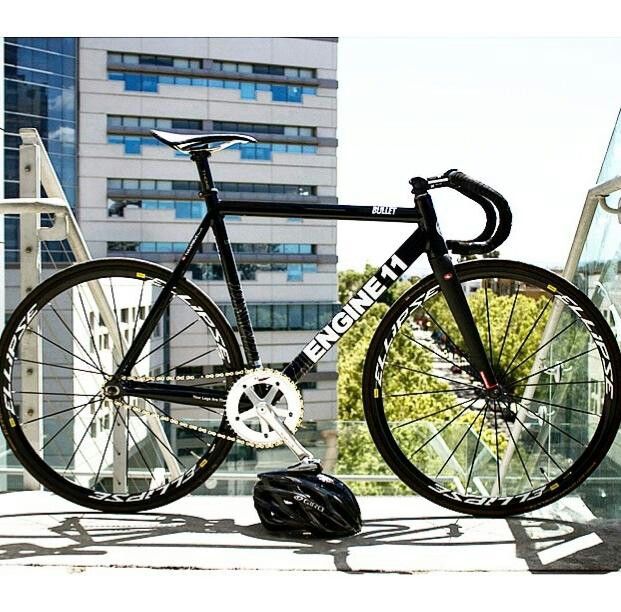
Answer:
(503, 451)
(59, 349)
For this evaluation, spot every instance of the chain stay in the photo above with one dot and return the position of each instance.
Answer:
(163, 417)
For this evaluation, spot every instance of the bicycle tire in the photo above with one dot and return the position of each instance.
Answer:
(69, 282)
(377, 402)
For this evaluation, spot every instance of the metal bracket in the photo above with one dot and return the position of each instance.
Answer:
(601, 200)
(58, 231)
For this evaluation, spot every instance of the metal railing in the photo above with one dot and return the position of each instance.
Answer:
(36, 172)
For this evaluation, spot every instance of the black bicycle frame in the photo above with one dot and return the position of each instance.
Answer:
(425, 239)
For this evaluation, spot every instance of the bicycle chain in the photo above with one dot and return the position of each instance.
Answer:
(162, 417)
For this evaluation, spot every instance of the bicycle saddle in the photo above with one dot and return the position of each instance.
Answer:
(188, 143)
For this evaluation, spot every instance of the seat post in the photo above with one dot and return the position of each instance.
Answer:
(201, 159)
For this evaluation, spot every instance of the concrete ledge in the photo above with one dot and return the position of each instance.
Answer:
(400, 535)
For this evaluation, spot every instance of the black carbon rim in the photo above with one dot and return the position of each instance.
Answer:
(69, 351)
(455, 463)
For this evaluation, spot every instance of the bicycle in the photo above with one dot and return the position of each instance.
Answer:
(508, 405)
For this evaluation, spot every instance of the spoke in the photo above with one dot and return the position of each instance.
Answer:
(517, 448)
(460, 441)
(65, 425)
(555, 384)
(162, 443)
(64, 394)
(103, 455)
(504, 338)
(552, 425)
(426, 392)
(463, 352)
(542, 346)
(515, 382)
(116, 316)
(167, 341)
(476, 449)
(53, 414)
(538, 444)
(461, 367)
(532, 329)
(72, 334)
(83, 435)
(443, 428)
(136, 446)
(63, 349)
(451, 380)
(497, 451)
(426, 416)
(88, 323)
(55, 365)
(489, 330)
(538, 401)
(138, 311)
(188, 361)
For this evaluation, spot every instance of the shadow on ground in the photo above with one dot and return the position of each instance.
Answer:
(546, 545)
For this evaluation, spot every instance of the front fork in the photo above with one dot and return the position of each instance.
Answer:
(446, 275)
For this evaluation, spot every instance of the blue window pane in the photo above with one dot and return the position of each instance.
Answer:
(248, 91)
(263, 87)
(198, 210)
(116, 76)
(231, 84)
(309, 267)
(183, 210)
(115, 139)
(165, 79)
(294, 94)
(133, 82)
(294, 273)
(232, 218)
(295, 316)
(305, 249)
(166, 204)
(149, 83)
(183, 81)
(68, 46)
(132, 145)
(312, 91)
(279, 93)
(248, 152)
(149, 204)
(148, 247)
(309, 149)
(216, 83)
(178, 247)
(263, 152)
(199, 82)
(294, 220)
(279, 148)
(294, 148)
(292, 248)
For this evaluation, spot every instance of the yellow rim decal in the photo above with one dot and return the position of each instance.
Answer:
(376, 393)
(141, 275)
(203, 463)
(12, 422)
(554, 486)
(552, 288)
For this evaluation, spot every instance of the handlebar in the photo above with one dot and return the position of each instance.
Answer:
(498, 215)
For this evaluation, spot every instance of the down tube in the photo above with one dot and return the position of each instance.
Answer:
(356, 307)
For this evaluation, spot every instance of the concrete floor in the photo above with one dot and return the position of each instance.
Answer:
(400, 535)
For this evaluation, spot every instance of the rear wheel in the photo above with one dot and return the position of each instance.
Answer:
(508, 450)
(71, 437)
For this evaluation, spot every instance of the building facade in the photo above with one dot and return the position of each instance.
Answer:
(94, 101)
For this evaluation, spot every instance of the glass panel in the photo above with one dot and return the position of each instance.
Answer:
(183, 210)
(310, 316)
(294, 94)
(279, 316)
(294, 273)
(279, 93)
(133, 82)
(295, 316)
(264, 316)
(248, 91)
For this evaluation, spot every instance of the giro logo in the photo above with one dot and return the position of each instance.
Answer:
(307, 502)
(355, 308)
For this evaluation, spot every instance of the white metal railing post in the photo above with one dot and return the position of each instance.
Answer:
(30, 276)
(595, 196)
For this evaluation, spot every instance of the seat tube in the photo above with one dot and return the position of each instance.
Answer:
(444, 271)
(227, 259)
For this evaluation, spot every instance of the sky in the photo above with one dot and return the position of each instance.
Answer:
(531, 117)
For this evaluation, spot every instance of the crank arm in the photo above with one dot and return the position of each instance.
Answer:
(266, 414)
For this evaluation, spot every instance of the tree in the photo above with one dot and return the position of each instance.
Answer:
(351, 280)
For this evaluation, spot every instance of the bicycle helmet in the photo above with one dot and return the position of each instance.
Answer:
(306, 501)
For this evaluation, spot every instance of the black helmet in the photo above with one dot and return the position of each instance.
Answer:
(307, 500)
